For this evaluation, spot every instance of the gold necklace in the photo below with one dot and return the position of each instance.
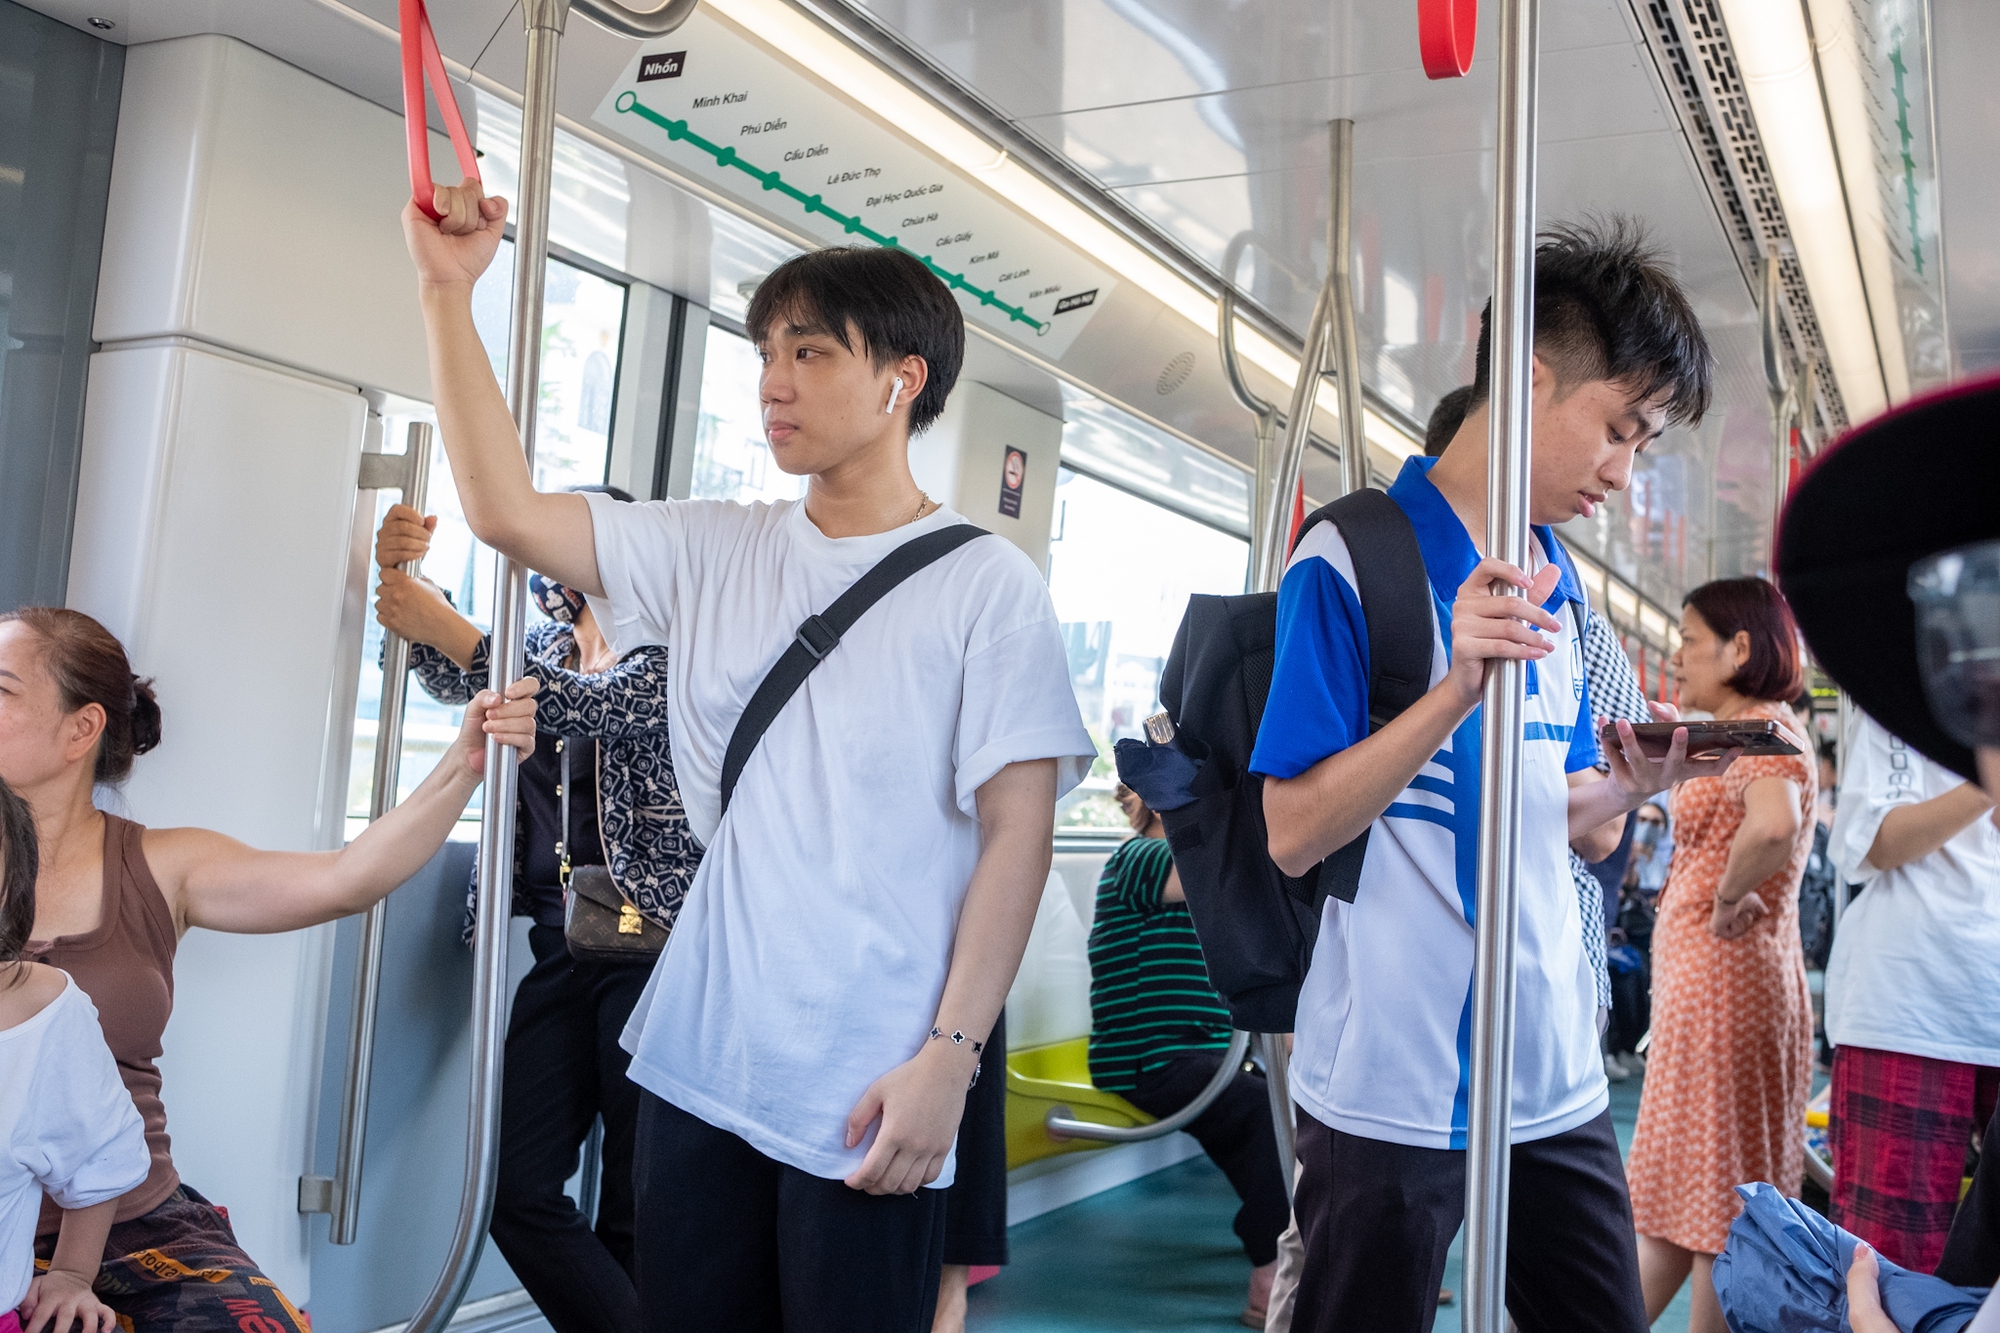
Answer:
(924, 501)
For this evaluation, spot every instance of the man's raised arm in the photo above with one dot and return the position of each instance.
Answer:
(548, 533)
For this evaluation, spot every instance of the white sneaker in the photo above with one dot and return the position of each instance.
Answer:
(1634, 1062)
(1614, 1071)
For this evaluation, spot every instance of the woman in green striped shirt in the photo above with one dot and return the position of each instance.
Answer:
(1158, 1030)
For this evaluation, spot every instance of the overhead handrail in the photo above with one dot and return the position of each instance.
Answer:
(421, 60)
(1062, 1125)
(544, 20)
(1489, 1120)
(626, 21)
(353, 1136)
(1332, 323)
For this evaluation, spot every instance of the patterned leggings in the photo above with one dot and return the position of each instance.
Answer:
(178, 1269)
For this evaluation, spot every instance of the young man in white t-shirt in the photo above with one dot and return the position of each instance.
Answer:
(808, 1035)
(1381, 1068)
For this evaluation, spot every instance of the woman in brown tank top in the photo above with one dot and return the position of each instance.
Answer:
(112, 900)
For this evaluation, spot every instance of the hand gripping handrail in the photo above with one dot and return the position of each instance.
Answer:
(352, 1142)
(421, 59)
(1061, 1125)
(544, 20)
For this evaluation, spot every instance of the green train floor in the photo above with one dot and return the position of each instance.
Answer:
(1158, 1254)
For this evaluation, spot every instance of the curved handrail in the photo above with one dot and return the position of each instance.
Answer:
(626, 21)
(1061, 1125)
(353, 1138)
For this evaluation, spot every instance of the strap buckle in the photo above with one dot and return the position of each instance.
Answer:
(817, 637)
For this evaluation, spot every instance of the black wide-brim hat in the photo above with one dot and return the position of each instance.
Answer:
(1915, 481)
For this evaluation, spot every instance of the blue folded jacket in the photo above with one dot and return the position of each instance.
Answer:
(1159, 773)
(1784, 1270)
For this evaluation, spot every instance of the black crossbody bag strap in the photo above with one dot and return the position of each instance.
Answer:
(821, 634)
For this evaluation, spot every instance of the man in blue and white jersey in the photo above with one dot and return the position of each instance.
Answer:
(1382, 1065)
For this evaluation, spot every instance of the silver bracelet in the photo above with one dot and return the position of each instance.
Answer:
(957, 1039)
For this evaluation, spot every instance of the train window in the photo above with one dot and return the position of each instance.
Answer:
(583, 324)
(731, 459)
(1121, 569)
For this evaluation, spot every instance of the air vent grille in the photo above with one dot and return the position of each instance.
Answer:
(1690, 46)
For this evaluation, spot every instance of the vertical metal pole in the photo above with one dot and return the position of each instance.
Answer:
(544, 20)
(1489, 1127)
(1346, 345)
(1276, 521)
(1778, 381)
(1277, 1078)
(368, 958)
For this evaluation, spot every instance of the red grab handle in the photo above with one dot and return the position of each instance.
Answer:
(1445, 33)
(420, 58)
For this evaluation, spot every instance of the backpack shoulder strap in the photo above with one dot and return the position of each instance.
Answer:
(1395, 592)
(821, 634)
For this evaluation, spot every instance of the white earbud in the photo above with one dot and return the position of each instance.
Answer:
(895, 392)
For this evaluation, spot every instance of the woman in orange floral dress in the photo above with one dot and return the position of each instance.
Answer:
(1730, 1063)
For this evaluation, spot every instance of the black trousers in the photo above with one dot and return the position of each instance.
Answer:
(1972, 1250)
(564, 1069)
(731, 1241)
(975, 1206)
(1237, 1134)
(1377, 1218)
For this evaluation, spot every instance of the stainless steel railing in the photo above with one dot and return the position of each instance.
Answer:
(1785, 407)
(344, 1197)
(1062, 1125)
(544, 20)
(1331, 330)
(1489, 1121)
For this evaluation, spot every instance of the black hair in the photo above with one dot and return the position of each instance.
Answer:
(889, 298)
(617, 493)
(1445, 420)
(19, 864)
(1606, 308)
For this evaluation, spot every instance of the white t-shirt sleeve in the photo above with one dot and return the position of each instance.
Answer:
(1877, 776)
(84, 1142)
(1018, 705)
(639, 549)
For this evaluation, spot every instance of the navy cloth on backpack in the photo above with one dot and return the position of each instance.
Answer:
(1784, 1270)
(1159, 774)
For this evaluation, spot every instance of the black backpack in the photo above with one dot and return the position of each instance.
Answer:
(1256, 924)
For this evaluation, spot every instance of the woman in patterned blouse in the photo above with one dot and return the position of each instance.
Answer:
(564, 1067)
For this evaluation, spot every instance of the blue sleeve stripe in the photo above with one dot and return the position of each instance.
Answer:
(1442, 818)
(1435, 786)
(1547, 731)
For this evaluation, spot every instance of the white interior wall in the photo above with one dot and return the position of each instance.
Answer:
(253, 282)
(211, 537)
(959, 460)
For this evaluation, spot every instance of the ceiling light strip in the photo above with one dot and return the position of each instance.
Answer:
(1695, 63)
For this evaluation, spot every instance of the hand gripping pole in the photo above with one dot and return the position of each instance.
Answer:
(421, 58)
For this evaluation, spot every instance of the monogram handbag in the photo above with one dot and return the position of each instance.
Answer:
(599, 925)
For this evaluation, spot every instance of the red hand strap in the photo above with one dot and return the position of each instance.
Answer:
(1445, 33)
(420, 58)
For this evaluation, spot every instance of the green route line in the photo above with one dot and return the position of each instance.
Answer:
(1909, 162)
(726, 157)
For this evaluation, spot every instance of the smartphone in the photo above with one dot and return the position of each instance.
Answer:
(1751, 735)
